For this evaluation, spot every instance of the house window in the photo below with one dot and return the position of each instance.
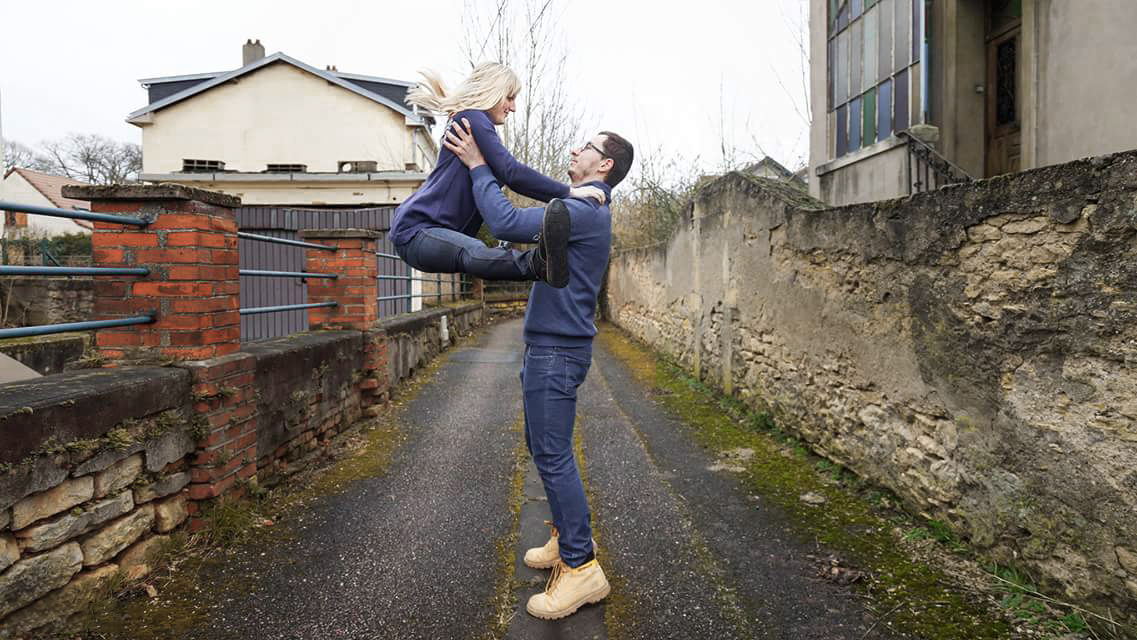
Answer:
(287, 168)
(199, 166)
(874, 52)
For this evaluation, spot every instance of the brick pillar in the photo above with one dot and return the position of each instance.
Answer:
(225, 398)
(355, 289)
(190, 247)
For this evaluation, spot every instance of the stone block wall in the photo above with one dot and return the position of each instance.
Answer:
(33, 301)
(972, 349)
(95, 466)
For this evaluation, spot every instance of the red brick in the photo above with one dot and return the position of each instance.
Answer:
(103, 257)
(199, 239)
(129, 239)
(172, 256)
(124, 339)
(106, 308)
(204, 305)
(187, 321)
(168, 221)
(167, 289)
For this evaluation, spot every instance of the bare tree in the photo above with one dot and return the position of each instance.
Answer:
(20, 155)
(94, 158)
(526, 36)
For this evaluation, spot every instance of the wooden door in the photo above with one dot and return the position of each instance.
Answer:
(1003, 122)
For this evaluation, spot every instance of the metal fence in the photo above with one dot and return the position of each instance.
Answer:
(286, 223)
(16, 270)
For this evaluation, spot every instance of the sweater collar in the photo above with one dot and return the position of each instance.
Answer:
(603, 186)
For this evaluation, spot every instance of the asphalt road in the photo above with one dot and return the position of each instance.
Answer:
(414, 553)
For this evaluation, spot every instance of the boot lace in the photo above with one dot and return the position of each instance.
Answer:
(554, 577)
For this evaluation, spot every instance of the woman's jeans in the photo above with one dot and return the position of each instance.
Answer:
(441, 250)
(549, 380)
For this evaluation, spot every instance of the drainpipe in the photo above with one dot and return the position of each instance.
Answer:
(925, 61)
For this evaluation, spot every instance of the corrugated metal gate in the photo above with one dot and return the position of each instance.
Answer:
(286, 222)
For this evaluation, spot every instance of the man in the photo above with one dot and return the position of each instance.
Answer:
(559, 328)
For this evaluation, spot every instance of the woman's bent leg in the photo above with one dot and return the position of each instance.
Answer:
(439, 250)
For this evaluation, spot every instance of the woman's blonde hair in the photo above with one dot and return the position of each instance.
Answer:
(485, 88)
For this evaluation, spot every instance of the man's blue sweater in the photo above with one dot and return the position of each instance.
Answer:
(445, 200)
(556, 317)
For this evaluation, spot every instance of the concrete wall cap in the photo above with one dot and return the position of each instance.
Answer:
(163, 191)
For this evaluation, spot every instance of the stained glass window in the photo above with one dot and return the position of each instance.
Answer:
(868, 128)
(902, 35)
(870, 76)
(885, 63)
(842, 132)
(873, 72)
(841, 80)
(884, 117)
(900, 99)
(917, 16)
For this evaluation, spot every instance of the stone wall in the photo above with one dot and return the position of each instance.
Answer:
(35, 301)
(47, 354)
(972, 349)
(95, 464)
(99, 466)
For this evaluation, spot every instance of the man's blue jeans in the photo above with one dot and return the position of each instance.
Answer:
(441, 250)
(549, 380)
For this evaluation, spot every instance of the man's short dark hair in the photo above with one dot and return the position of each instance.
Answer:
(621, 153)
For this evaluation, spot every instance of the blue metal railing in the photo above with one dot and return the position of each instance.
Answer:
(17, 270)
(284, 274)
(69, 213)
(437, 280)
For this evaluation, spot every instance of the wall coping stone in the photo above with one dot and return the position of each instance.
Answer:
(83, 404)
(298, 342)
(162, 191)
(408, 322)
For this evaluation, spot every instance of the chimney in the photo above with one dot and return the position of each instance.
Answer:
(251, 52)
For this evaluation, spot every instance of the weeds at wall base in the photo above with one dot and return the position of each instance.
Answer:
(904, 556)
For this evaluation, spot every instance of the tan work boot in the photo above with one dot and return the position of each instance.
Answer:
(548, 555)
(568, 589)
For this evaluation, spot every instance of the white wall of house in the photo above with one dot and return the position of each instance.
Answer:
(16, 189)
(1087, 70)
(278, 115)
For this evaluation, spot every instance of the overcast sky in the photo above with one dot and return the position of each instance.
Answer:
(660, 73)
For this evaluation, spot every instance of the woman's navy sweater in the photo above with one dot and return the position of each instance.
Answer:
(447, 198)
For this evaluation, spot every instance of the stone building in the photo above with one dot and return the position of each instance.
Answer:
(1001, 85)
(278, 131)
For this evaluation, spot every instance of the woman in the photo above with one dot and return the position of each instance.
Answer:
(434, 229)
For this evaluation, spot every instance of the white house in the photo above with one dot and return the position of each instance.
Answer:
(24, 186)
(280, 132)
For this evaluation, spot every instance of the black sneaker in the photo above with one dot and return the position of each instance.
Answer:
(552, 249)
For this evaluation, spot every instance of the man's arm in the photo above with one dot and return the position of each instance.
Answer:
(505, 221)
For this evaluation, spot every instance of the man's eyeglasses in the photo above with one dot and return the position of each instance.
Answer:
(589, 145)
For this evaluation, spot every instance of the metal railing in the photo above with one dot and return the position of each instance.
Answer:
(16, 270)
(927, 169)
(284, 274)
(464, 286)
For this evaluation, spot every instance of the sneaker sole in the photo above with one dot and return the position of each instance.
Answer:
(592, 598)
(555, 231)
